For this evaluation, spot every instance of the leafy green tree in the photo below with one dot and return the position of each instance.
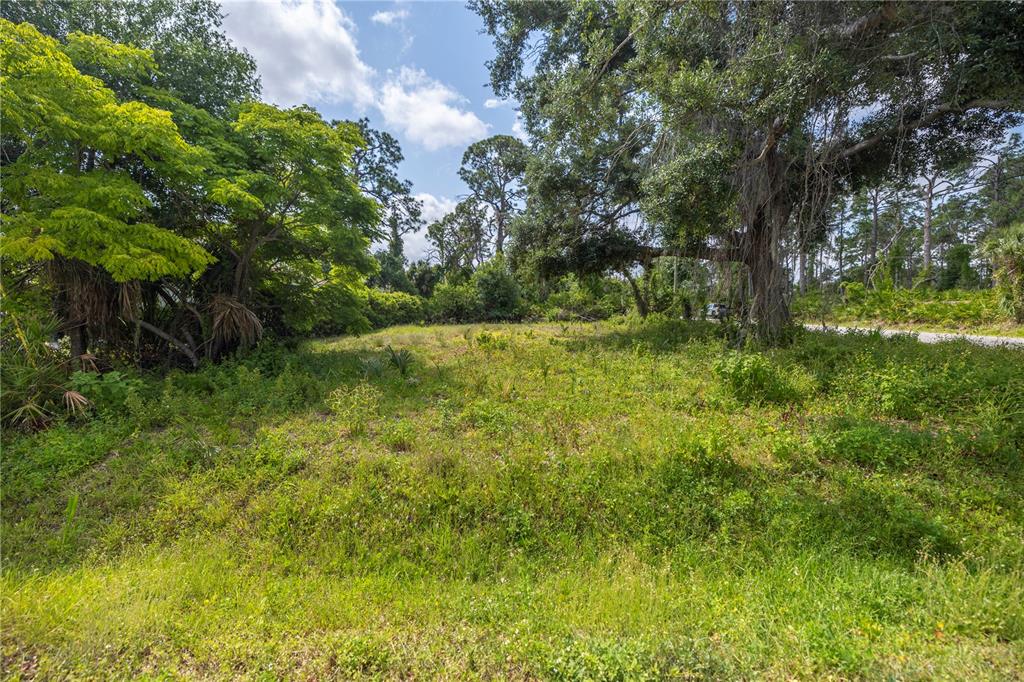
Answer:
(376, 171)
(68, 198)
(391, 275)
(758, 112)
(425, 276)
(198, 64)
(293, 222)
(493, 170)
(459, 238)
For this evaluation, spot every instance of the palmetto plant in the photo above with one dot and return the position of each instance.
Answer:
(373, 367)
(34, 375)
(402, 360)
(1006, 251)
(233, 321)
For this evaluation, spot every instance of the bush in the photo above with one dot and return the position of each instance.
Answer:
(596, 299)
(107, 392)
(497, 291)
(455, 303)
(389, 308)
(952, 308)
(1006, 251)
(753, 377)
(490, 294)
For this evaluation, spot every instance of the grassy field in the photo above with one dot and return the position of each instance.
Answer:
(533, 501)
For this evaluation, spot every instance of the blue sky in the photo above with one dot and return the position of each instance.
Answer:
(415, 69)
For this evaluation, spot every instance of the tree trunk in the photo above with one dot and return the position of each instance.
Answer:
(499, 237)
(79, 341)
(803, 270)
(928, 198)
(769, 313)
(874, 237)
(839, 242)
(638, 296)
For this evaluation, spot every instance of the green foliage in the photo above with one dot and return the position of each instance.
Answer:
(953, 308)
(455, 303)
(108, 392)
(401, 359)
(33, 373)
(754, 377)
(389, 308)
(196, 59)
(490, 294)
(958, 273)
(64, 193)
(355, 405)
(874, 444)
(497, 291)
(1006, 251)
(588, 298)
(172, 219)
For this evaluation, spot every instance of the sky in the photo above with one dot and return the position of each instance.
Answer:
(415, 69)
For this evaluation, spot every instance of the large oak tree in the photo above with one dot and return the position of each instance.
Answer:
(756, 113)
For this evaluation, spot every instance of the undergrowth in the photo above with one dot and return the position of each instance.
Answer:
(568, 501)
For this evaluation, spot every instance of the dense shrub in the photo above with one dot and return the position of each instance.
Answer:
(596, 299)
(1006, 251)
(388, 308)
(107, 392)
(455, 303)
(491, 294)
(497, 291)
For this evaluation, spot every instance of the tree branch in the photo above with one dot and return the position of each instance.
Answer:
(922, 121)
(170, 339)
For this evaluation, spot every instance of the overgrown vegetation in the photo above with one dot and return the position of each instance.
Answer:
(953, 309)
(617, 500)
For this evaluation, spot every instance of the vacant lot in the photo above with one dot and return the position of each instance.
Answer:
(571, 502)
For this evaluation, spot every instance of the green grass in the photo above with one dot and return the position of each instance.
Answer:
(532, 501)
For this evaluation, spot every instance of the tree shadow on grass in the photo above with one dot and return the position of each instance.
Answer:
(660, 336)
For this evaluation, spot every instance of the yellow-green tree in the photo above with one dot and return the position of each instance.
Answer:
(69, 200)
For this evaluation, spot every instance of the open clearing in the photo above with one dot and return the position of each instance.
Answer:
(532, 501)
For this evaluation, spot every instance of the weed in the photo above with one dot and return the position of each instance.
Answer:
(355, 405)
(402, 360)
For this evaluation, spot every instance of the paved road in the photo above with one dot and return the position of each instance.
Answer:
(930, 337)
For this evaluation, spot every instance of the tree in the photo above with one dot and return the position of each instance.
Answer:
(493, 170)
(376, 170)
(760, 104)
(258, 222)
(459, 238)
(293, 225)
(1005, 249)
(198, 64)
(68, 199)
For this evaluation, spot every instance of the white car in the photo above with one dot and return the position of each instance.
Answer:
(717, 311)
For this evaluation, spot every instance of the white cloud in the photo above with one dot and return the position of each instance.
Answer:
(307, 54)
(304, 49)
(415, 244)
(389, 17)
(518, 130)
(493, 103)
(435, 208)
(423, 109)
